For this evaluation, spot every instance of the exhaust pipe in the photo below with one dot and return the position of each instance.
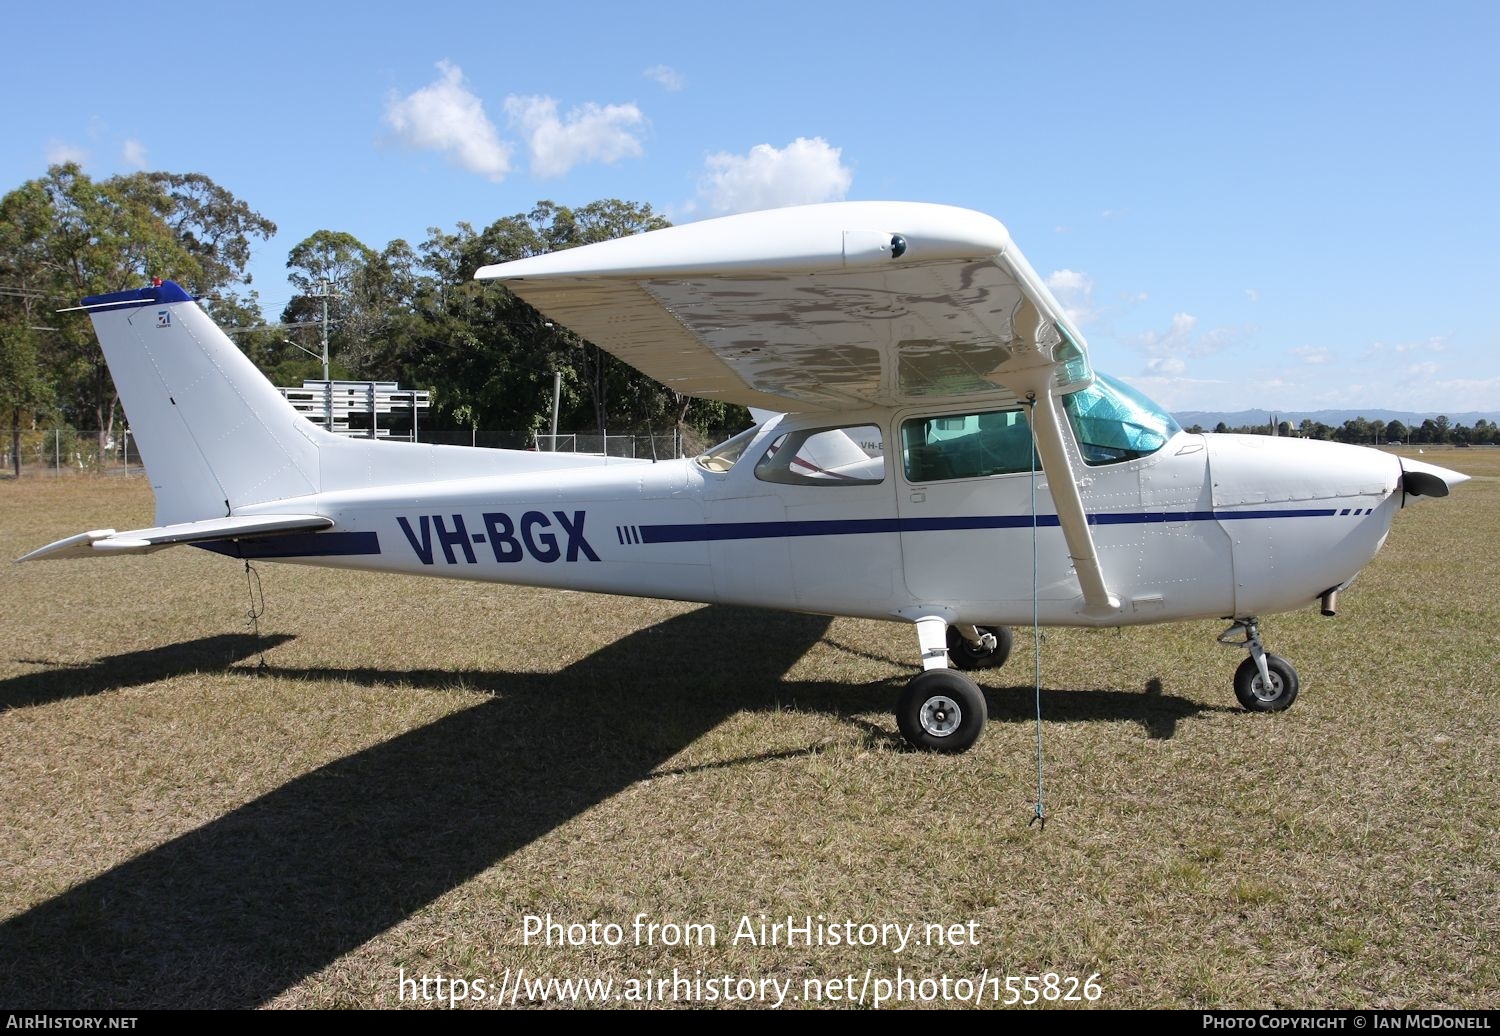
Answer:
(1330, 601)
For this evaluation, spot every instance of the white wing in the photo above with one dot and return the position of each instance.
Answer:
(820, 307)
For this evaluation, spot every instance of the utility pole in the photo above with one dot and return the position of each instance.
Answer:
(325, 292)
(556, 389)
(556, 400)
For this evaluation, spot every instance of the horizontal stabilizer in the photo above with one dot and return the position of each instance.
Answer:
(144, 541)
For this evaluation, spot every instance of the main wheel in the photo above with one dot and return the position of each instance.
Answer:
(941, 711)
(971, 656)
(1256, 694)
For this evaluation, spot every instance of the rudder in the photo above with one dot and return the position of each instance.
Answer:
(213, 433)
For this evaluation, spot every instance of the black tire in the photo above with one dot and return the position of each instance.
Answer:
(1252, 693)
(964, 655)
(941, 711)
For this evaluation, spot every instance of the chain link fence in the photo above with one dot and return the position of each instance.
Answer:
(70, 451)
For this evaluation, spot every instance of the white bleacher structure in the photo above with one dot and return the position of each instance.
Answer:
(375, 407)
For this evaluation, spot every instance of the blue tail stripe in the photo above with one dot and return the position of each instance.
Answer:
(298, 545)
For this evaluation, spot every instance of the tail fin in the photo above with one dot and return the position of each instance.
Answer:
(213, 433)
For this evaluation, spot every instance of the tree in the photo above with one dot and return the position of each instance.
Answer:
(68, 236)
(488, 357)
(23, 389)
(327, 270)
(1396, 431)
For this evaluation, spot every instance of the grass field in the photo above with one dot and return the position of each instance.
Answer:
(422, 764)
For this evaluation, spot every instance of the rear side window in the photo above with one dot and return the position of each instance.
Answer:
(934, 449)
(853, 456)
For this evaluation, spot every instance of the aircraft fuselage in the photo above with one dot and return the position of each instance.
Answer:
(1206, 526)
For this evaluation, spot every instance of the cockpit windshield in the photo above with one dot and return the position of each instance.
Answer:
(1113, 422)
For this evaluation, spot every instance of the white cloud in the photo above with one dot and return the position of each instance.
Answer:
(1177, 393)
(1076, 293)
(445, 117)
(804, 172)
(133, 154)
(1423, 369)
(1312, 353)
(1461, 394)
(59, 153)
(589, 133)
(1167, 351)
(1252, 294)
(1178, 337)
(667, 77)
(1435, 344)
(1069, 281)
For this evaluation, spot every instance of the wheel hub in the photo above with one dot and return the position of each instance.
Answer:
(940, 715)
(1266, 691)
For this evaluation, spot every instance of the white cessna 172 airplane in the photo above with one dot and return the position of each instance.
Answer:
(936, 410)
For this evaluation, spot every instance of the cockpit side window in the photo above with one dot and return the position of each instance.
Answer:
(1113, 422)
(722, 457)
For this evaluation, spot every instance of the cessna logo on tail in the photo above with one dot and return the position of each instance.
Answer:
(509, 540)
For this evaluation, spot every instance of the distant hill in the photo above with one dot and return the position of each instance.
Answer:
(1332, 418)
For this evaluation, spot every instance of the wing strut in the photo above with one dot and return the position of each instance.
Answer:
(1047, 428)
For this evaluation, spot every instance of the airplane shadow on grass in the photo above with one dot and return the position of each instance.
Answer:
(131, 669)
(236, 912)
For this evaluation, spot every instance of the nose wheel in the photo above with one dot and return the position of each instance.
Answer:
(1263, 682)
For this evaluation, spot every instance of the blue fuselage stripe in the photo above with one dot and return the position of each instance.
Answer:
(864, 526)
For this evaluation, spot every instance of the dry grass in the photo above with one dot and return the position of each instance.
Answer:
(423, 763)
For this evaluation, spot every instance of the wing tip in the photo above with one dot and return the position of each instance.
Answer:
(77, 546)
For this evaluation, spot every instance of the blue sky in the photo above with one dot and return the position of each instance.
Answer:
(1286, 206)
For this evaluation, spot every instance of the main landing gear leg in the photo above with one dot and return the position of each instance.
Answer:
(941, 710)
(1263, 682)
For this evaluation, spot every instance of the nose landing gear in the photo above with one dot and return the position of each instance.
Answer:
(1263, 682)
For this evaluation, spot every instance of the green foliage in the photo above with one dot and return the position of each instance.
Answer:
(64, 236)
(416, 315)
(408, 313)
(1364, 432)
